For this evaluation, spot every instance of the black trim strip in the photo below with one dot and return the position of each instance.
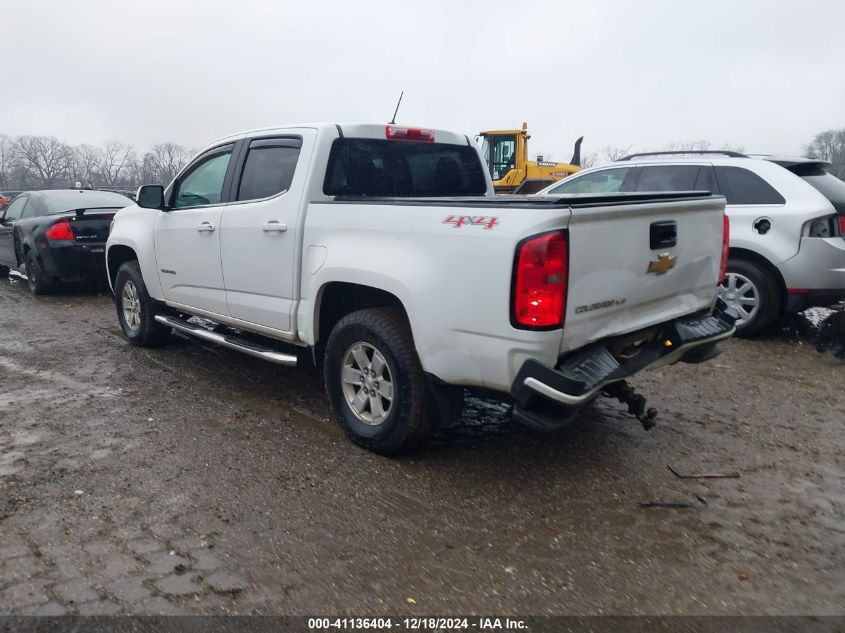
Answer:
(339, 131)
(527, 202)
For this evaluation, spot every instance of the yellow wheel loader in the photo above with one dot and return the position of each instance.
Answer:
(506, 155)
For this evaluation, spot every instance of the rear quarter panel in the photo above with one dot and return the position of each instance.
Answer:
(454, 283)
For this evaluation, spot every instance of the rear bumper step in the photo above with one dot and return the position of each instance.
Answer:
(580, 377)
(228, 340)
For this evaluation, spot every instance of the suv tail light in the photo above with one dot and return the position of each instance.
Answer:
(408, 134)
(540, 281)
(726, 239)
(61, 230)
(841, 219)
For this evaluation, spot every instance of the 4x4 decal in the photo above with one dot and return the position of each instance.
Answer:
(488, 222)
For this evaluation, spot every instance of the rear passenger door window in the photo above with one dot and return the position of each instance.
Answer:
(668, 177)
(602, 181)
(268, 168)
(742, 186)
(706, 181)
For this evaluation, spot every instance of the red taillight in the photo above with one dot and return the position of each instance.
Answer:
(540, 280)
(726, 238)
(61, 230)
(408, 134)
(841, 219)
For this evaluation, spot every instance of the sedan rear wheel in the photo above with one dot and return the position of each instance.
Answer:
(38, 282)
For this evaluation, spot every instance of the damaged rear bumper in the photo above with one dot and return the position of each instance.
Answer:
(579, 378)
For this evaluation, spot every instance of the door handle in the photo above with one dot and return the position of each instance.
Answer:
(206, 227)
(274, 226)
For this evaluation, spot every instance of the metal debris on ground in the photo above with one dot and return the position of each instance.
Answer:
(733, 475)
(665, 504)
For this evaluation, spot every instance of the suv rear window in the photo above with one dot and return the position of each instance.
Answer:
(372, 167)
(829, 185)
(741, 186)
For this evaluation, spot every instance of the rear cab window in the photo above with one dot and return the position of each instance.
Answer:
(403, 168)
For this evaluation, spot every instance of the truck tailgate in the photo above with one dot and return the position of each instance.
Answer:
(625, 272)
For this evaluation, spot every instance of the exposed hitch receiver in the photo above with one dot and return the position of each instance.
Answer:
(626, 394)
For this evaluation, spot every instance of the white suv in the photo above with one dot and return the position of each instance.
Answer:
(787, 222)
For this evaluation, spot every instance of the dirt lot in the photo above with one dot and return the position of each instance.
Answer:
(191, 479)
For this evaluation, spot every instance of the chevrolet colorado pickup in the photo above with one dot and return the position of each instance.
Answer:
(380, 254)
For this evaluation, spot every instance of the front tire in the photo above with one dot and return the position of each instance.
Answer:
(37, 280)
(375, 382)
(136, 311)
(751, 291)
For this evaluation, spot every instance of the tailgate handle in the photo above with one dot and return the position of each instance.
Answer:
(663, 235)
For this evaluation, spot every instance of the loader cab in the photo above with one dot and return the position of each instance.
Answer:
(503, 151)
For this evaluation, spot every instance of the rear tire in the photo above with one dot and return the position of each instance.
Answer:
(136, 311)
(753, 293)
(39, 283)
(375, 382)
(4, 270)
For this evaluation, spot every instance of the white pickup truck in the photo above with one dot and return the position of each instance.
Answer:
(382, 251)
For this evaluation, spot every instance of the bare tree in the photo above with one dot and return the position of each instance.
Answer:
(830, 146)
(86, 165)
(687, 146)
(163, 162)
(588, 159)
(8, 160)
(612, 154)
(115, 158)
(46, 159)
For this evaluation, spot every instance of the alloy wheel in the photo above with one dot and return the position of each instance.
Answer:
(367, 383)
(740, 293)
(131, 305)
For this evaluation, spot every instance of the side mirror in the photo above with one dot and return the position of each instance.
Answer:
(150, 196)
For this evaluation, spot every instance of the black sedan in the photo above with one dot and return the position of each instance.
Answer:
(58, 236)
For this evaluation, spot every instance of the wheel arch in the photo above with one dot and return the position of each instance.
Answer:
(336, 299)
(21, 247)
(118, 255)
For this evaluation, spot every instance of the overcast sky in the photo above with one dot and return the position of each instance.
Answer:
(763, 75)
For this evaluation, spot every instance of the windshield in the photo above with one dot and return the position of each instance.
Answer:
(388, 168)
(62, 201)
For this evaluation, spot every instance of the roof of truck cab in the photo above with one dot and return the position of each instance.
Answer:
(354, 130)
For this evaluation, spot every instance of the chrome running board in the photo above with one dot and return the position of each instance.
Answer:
(228, 340)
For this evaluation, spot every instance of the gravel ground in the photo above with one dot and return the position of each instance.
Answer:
(192, 479)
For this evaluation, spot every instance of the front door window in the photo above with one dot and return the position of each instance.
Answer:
(203, 184)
